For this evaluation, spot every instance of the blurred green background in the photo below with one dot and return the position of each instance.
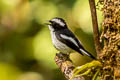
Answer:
(26, 50)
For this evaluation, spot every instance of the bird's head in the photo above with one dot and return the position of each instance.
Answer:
(57, 24)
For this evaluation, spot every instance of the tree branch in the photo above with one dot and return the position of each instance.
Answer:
(66, 66)
(95, 27)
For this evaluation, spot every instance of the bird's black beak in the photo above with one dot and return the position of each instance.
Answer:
(48, 22)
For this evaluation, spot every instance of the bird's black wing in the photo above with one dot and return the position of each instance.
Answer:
(68, 34)
(70, 40)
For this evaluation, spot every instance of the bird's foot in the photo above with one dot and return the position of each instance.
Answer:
(63, 57)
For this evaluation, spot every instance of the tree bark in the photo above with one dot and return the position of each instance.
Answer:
(95, 27)
(110, 56)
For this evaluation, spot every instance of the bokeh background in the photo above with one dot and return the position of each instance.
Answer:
(26, 50)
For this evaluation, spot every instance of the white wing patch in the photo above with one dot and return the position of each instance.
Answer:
(69, 38)
(84, 52)
(58, 21)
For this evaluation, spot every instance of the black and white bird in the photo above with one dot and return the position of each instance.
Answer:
(63, 39)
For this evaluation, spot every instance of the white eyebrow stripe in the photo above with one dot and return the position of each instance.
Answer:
(69, 38)
(58, 21)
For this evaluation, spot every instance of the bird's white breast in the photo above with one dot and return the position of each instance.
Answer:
(59, 45)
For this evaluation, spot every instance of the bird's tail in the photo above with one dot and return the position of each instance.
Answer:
(87, 53)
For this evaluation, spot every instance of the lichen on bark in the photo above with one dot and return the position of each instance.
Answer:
(110, 55)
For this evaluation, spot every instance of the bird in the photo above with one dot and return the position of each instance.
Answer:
(64, 39)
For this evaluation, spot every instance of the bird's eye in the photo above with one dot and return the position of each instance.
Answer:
(54, 24)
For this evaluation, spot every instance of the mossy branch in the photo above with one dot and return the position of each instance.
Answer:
(77, 73)
(66, 66)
